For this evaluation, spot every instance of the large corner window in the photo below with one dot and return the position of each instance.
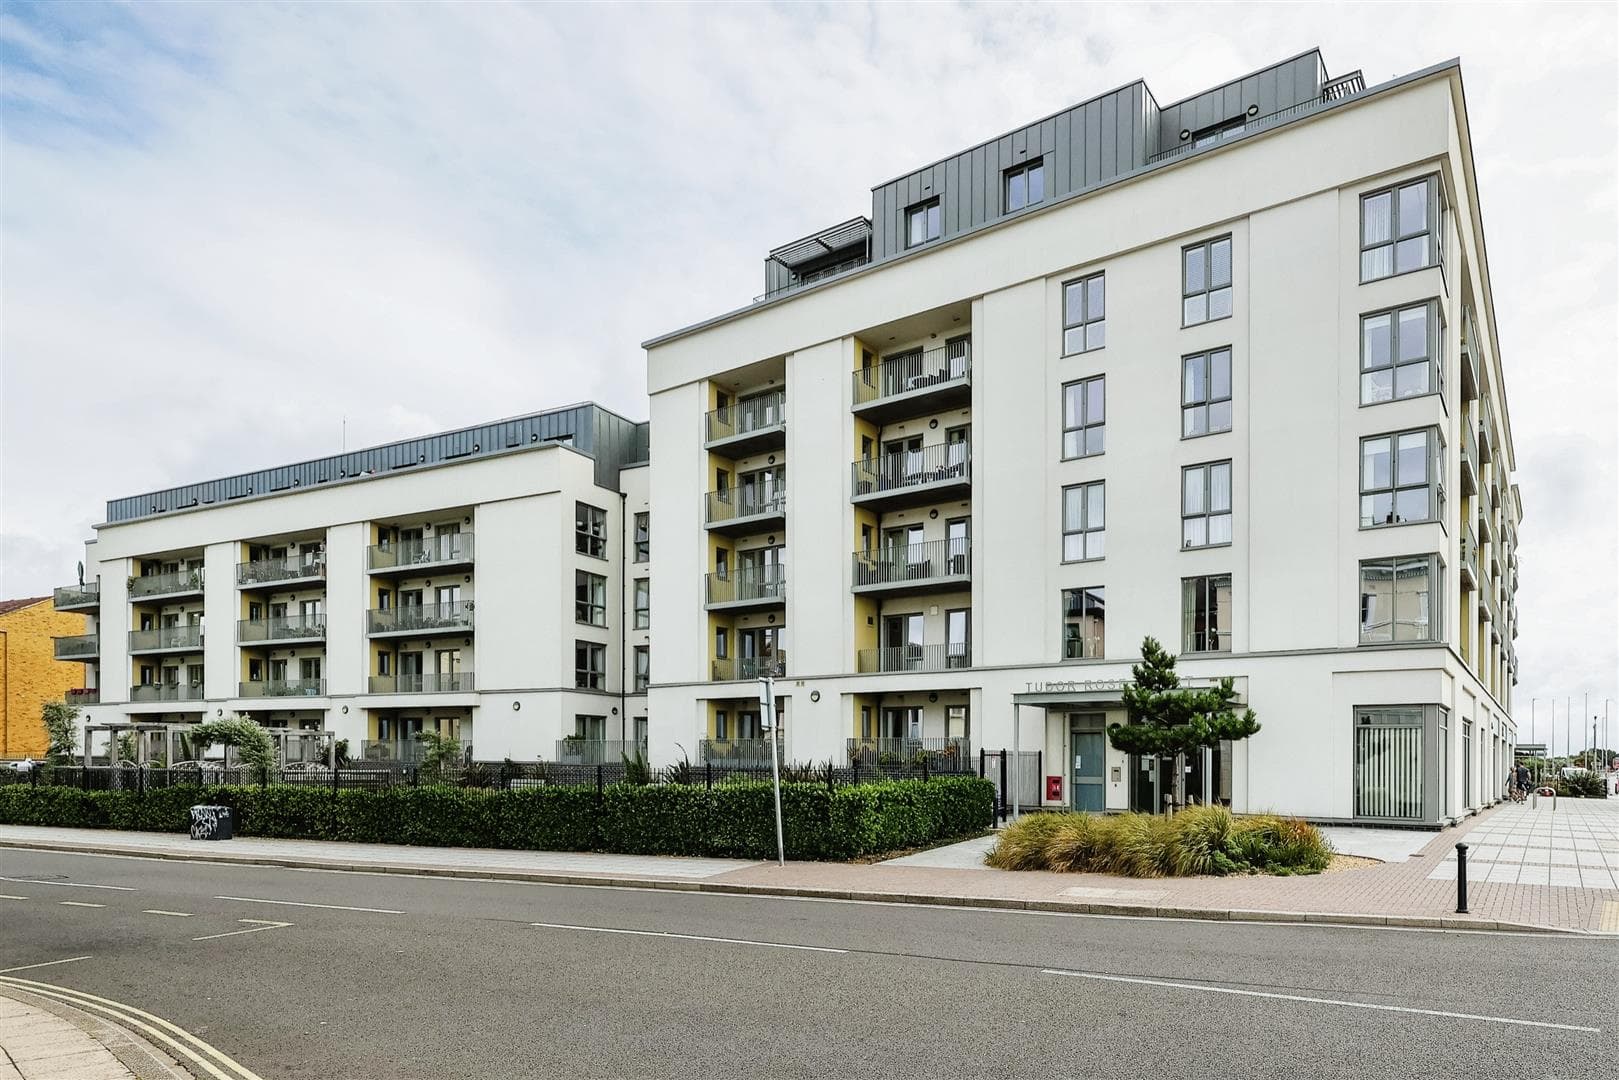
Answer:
(1399, 599)
(1206, 614)
(1399, 353)
(1084, 314)
(1206, 505)
(1025, 185)
(1206, 281)
(922, 223)
(1205, 393)
(1083, 522)
(1399, 229)
(1084, 619)
(1401, 478)
(1389, 774)
(1084, 418)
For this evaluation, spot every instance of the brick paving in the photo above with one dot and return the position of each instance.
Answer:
(39, 1045)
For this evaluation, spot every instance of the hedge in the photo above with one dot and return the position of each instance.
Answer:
(729, 821)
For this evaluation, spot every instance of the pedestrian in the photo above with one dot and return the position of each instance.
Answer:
(25, 766)
(1523, 777)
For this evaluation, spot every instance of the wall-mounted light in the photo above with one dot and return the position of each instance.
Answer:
(933, 697)
(345, 710)
(516, 706)
(815, 695)
(933, 423)
(1253, 110)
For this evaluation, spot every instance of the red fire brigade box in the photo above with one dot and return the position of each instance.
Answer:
(1053, 789)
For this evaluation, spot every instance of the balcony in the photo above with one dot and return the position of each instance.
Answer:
(945, 755)
(937, 473)
(281, 688)
(738, 751)
(452, 682)
(913, 658)
(926, 567)
(1469, 462)
(1331, 90)
(89, 695)
(178, 585)
(577, 750)
(78, 647)
(928, 380)
(285, 629)
(148, 693)
(747, 587)
(1470, 357)
(748, 427)
(1486, 425)
(409, 556)
(748, 668)
(285, 571)
(78, 598)
(187, 638)
(737, 511)
(419, 619)
(1469, 557)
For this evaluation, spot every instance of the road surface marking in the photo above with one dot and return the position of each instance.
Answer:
(262, 924)
(48, 963)
(688, 937)
(192, 1049)
(1318, 1000)
(160, 911)
(299, 903)
(66, 884)
(78, 903)
(7, 896)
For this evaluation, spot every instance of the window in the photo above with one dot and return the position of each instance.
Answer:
(1025, 185)
(1084, 411)
(1206, 614)
(643, 603)
(1399, 353)
(1219, 132)
(590, 530)
(1388, 763)
(922, 223)
(643, 668)
(590, 728)
(589, 665)
(1206, 282)
(722, 643)
(1397, 599)
(643, 537)
(1400, 478)
(1083, 522)
(589, 598)
(1398, 229)
(1084, 315)
(1206, 505)
(1084, 614)
(957, 637)
(1205, 393)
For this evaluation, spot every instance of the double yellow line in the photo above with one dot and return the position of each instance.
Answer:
(178, 1043)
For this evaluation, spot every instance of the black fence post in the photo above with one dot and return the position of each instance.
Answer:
(1003, 784)
(599, 783)
(924, 766)
(854, 770)
(980, 763)
(415, 775)
(1461, 879)
(1039, 774)
(708, 775)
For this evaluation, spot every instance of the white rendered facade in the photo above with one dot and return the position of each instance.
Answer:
(962, 635)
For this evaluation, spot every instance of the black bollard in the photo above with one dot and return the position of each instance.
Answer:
(1461, 879)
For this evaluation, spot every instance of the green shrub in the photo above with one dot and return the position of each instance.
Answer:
(1198, 840)
(1582, 785)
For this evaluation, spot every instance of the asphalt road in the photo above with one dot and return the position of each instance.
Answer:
(448, 978)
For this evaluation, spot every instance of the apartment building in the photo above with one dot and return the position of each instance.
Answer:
(1222, 371)
(490, 584)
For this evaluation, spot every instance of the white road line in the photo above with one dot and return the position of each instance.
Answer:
(48, 963)
(1318, 1000)
(78, 903)
(299, 903)
(263, 924)
(688, 937)
(66, 884)
(160, 911)
(7, 896)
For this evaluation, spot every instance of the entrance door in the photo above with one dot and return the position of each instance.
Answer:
(1090, 760)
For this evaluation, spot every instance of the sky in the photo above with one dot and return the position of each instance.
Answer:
(235, 235)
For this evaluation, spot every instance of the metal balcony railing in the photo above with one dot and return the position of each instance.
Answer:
(903, 751)
(913, 658)
(438, 550)
(450, 682)
(77, 647)
(1332, 90)
(745, 751)
(282, 628)
(150, 692)
(69, 597)
(913, 564)
(732, 669)
(582, 751)
(762, 584)
(88, 695)
(284, 688)
(417, 618)
(761, 413)
(1469, 557)
(177, 582)
(188, 636)
(911, 372)
(938, 464)
(813, 276)
(738, 504)
(287, 568)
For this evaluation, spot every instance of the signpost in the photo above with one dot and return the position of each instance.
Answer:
(767, 713)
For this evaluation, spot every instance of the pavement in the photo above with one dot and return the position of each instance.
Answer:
(42, 1037)
(300, 974)
(1414, 891)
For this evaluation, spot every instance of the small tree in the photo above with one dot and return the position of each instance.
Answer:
(254, 748)
(61, 730)
(1167, 720)
(438, 751)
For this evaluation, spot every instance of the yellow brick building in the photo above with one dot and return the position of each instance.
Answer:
(30, 674)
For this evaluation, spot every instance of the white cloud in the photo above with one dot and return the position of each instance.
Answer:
(227, 227)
